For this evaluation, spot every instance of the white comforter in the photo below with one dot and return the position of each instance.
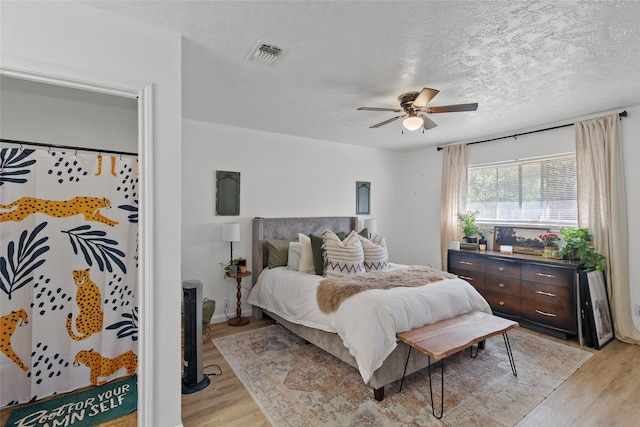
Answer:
(367, 322)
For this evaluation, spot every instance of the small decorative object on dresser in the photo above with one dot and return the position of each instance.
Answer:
(550, 241)
(484, 231)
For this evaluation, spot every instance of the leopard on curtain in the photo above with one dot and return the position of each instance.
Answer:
(68, 271)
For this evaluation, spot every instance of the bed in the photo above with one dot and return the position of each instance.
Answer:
(384, 362)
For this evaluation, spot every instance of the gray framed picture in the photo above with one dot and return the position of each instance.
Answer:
(227, 193)
(363, 198)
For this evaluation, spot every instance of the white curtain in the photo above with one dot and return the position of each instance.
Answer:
(68, 271)
(453, 195)
(602, 208)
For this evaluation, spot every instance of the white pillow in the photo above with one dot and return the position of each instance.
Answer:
(306, 256)
(293, 262)
(375, 253)
(342, 258)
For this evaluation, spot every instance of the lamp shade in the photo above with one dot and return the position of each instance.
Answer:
(371, 225)
(231, 232)
(413, 122)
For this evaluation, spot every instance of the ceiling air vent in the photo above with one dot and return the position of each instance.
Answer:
(265, 52)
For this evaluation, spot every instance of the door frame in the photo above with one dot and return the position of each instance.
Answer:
(143, 92)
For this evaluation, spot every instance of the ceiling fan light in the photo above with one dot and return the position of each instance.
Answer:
(412, 123)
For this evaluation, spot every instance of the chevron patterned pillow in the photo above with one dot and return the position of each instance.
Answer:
(375, 253)
(342, 258)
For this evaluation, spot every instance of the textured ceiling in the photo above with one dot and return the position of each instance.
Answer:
(527, 64)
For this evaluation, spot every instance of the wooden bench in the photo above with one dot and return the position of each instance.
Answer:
(450, 336)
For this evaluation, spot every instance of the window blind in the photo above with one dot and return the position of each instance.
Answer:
(541, 191)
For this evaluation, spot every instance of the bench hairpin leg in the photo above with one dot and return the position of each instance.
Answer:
(405, 369)
(481, 345)
(433, 409)
(474, 355)
(510, 354)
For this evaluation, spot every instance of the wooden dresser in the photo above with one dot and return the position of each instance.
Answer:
(538, 293)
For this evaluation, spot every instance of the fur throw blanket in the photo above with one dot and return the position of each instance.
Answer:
(333, 291)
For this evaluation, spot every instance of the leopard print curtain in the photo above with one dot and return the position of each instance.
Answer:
(68, 271)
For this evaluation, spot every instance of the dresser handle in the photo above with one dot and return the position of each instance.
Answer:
(501, 285)
(546, 314)
(466, 263)
(470, 279)
(501, 302)
(501, 268)
(545, 275)
(549, 294)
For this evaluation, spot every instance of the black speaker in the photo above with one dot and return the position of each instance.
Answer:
(192, 379)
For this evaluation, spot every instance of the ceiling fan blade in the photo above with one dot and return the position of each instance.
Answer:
(386, 122)
(452, 108)
(395, 110)
(423, 98)
(428, 123)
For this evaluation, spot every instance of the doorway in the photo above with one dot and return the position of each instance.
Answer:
(141, 97)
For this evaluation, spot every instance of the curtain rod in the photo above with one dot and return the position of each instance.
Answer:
(516, 135)
(68, 147)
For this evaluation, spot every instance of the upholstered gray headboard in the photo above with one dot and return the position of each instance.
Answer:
(287, 229)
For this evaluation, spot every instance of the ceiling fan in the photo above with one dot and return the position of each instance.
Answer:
(413, 105)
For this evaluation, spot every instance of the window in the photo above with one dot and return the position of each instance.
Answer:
(539, 191)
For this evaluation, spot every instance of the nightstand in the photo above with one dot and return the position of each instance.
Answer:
(239, 320)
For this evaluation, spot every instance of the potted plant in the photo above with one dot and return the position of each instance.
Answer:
(577, 245)
(551, 241)
(231, 268)
(467, 222)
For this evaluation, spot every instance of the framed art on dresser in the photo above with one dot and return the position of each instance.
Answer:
(523, 240)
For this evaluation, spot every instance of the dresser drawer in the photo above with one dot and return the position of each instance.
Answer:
(475, 278)
(504, 303)
(503, 268)
(459, 260)
(559, 296)
(503, 285)
(540, 273)
(549, 314)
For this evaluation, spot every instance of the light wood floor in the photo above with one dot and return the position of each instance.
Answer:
(225, 402)
(604, 391)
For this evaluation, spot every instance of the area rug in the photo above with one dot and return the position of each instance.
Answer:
(298, 384)
(90, 407)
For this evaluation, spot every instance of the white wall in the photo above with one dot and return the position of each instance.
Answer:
(280, 176)
(52, 114)
(66, 39)
(631, 149)
(422, 176)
